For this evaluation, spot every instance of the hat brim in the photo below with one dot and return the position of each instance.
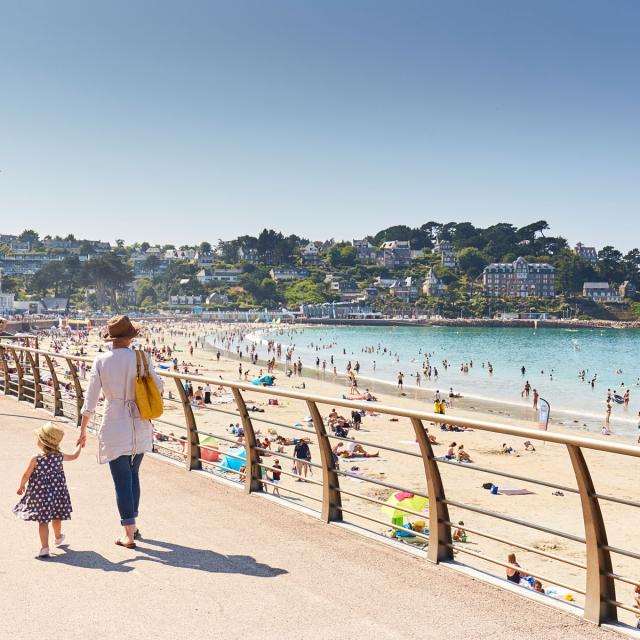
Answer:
(132, 333)
(45, 442)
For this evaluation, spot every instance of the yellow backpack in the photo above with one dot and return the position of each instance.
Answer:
(148, 397)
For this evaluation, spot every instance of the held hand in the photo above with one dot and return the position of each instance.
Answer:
(82, 440)
(20, 490)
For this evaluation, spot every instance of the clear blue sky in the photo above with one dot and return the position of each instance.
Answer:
(187, 120)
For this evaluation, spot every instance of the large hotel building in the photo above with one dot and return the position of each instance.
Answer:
(519, 279)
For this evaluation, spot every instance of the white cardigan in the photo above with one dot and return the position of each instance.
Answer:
(123, 431)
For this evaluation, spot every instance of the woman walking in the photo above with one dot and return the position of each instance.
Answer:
(124, 436)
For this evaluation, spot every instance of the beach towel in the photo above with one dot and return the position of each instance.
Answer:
(515, 492)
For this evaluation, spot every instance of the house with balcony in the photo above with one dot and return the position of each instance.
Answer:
(288, 273)
(600, 292)
(448, 257)
(394, 254)
(405, 289)
(311, 254)
(221, 274)
(433, 286)
(366, 252)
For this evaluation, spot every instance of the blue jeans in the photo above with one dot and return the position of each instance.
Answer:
(124, 471)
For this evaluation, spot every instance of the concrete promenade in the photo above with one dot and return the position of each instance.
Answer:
(217, 563)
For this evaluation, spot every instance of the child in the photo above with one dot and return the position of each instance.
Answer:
(275, 476)
(46, 498)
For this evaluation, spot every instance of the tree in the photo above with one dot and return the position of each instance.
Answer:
(342, 255)
(50, 277)
(572, 272)
(108, 273)
(610, 265)
(472, 261)
(152, 264)
(146, 292)
(205, 247)
(29, 235)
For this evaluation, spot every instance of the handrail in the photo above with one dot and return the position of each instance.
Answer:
(601, 603)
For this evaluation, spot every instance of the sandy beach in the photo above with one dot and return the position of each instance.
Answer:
(612, 475)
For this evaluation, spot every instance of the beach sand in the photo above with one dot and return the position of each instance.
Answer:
(612, 475)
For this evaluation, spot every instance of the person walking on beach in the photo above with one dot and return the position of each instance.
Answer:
(607, 413)
(536, 395)
(302, 455)
(400, 380)
(526, 389)
(124, 436)
(45, 499)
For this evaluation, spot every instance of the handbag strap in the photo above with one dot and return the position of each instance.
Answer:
(138, 364)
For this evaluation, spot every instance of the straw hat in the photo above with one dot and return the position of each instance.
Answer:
(50, 436)
(121, 328)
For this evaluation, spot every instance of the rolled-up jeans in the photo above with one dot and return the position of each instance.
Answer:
(124, 471)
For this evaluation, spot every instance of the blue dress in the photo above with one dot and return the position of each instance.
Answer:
(46, 497)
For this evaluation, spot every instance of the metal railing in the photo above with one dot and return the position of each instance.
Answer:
(52, 381)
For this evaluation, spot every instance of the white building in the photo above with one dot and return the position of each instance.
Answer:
(280, 275)
(311, 254)
(230, 276)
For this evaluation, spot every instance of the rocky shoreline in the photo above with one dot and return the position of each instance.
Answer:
(473, 322)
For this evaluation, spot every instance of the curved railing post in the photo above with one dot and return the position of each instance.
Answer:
(253, 471)
(331, 497)
(57, 395)
(600, 586)
(20, 372)
(78, 387)
(37, 389)
(439, 531)
(5, 370)
(192, 454)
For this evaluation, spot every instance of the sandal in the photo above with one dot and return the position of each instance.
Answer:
(137, 535)
(126, 545)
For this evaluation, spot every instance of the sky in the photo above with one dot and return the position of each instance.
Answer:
(177, 122)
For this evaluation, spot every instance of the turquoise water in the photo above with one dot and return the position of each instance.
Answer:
(552, 358)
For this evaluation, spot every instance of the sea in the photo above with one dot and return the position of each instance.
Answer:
(552, 360)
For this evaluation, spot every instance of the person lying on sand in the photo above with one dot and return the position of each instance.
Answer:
(354, 450)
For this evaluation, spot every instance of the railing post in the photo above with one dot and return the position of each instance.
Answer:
(79, 393)
(331, 497)
(37, 389)
(439, 532)
(5, 370)
(57, 395)
(253, 471)
(20, 372)
(192, 454)
(600, 587)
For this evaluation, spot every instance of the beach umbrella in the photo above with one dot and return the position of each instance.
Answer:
(407, 501)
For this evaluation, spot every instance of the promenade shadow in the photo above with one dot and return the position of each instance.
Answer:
(88, 560)
(176, 555)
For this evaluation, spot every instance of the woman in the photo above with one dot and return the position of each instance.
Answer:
(124, 436)
(513, 574)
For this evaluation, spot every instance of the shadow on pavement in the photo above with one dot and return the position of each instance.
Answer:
(176, 555)
(88, 560)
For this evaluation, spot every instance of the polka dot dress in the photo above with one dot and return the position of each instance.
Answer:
(46, 497)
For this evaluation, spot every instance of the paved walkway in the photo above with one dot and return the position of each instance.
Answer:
(217, 563)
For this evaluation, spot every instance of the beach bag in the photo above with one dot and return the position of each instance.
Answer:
(148, 396)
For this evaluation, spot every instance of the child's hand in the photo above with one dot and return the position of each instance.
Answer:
(20, 489)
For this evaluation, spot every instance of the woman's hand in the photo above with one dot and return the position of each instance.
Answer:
(20, 490)
(82, 439)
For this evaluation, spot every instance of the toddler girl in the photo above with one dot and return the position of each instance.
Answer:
(46, 498)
